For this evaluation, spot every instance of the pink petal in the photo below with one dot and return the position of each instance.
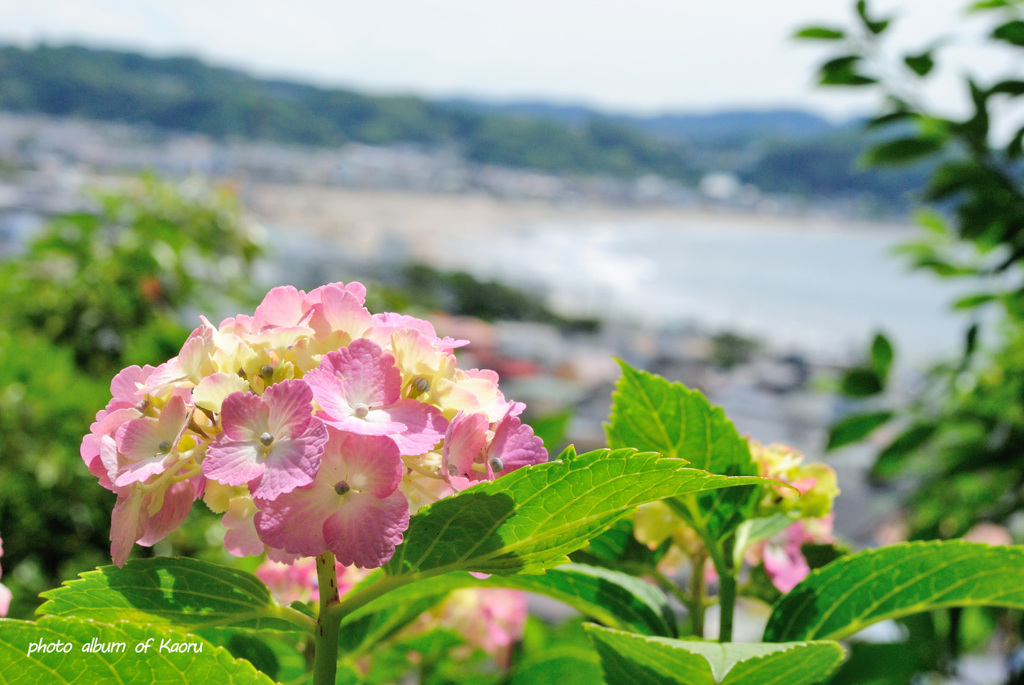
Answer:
(355, 287)
(341, 310)
(365, 375)
(294, 521)
(234, 462)
(367, 463)
(241, 539)
(244, 417)
(142, 438)
(291, 408)
(5, 600)
(516, 445)
(178, 499)
(423, 426)
(124, 387)
(364, 530)
(292, 463)
(282, 306)
(125, 526)
(465, 439)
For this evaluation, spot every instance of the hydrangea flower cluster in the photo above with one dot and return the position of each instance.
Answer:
(810, 506)
(808, 503)
(313, 426)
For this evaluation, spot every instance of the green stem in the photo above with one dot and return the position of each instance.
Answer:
(726, 604)
(697, 593)
(721, 556)
(328, 624)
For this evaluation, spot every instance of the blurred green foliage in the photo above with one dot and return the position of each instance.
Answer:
(962, 437)
(959, 443)
(94, 292)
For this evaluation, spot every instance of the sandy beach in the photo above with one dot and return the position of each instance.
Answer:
(363, 217)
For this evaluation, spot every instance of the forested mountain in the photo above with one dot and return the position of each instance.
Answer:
(787, 151)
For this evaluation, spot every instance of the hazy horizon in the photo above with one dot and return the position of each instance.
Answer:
(659, 57)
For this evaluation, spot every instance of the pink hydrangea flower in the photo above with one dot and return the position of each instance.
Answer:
(473, 451)
(783, 557)
(126, 404)
(248, 406)
(146, 446)
(148, 517)
(5, 594)
(297, 582)
(359, 388)
(352, 509)
(272, 442)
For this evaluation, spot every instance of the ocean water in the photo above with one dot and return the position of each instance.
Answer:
(817, 289)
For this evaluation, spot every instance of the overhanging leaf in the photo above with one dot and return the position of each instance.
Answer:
(853, 428)
(530, 519)
(627, 658)
(122, 664)
(614, 599)
(861, 382)
(881, 355)
(903, 150)
(651, 413)
(819, 33)
(171, 590)
(856, 591)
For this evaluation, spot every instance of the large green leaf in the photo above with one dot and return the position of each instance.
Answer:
(171, 590)
(530, 519)
(123, 664)
(627, 658)
(855, 591)
(651, 413)
(856, 427)
(609, 597)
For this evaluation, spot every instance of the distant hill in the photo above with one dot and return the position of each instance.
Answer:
(183, 93)
(784, 151)
(727, 125)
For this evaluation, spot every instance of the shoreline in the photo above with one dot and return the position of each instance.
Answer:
(359, 216)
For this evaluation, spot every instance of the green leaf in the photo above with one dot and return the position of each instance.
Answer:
(903, 150)
(651, 413)
(530, 519)
(920, 64)
(1012, 87)
(856, 591)
(608, 597)
(890, 460)
(872, 25)
(171, 590)
(1012, 32)
(123, 664)
(987, 5)
(891, 118)
(627, 658)
(972, 301)
(882, 355)
(841, 71)
(566, 665)
(861, 383)
(753, 530)
(819, 33)
(856, 427)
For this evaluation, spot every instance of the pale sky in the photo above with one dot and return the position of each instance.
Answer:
(642, 56)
